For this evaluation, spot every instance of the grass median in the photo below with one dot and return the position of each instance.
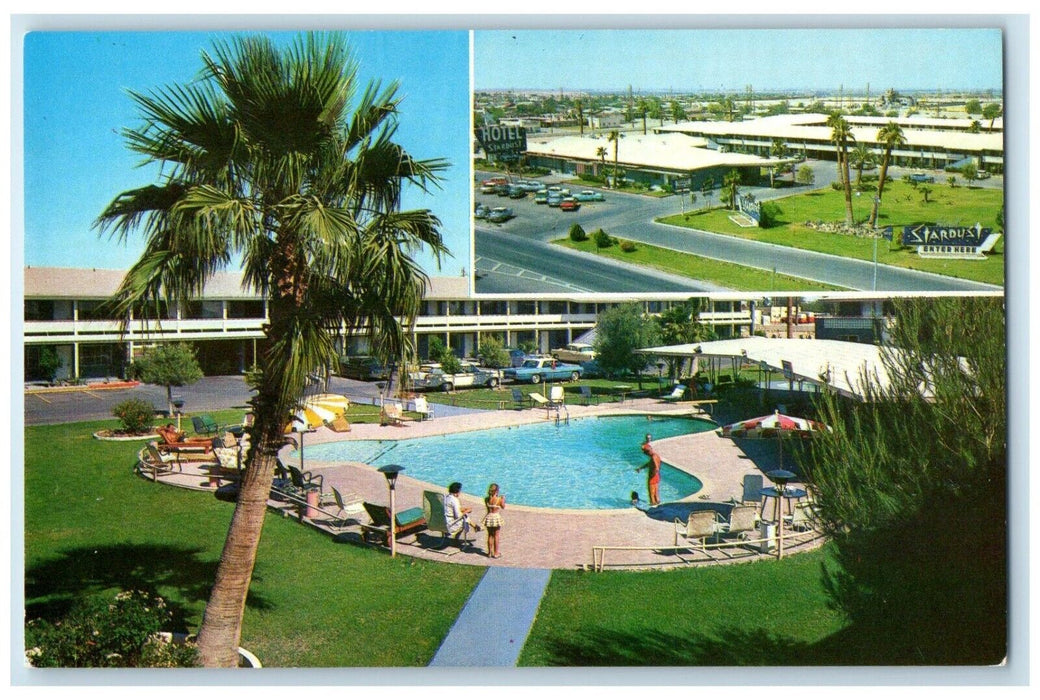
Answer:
(903, 205)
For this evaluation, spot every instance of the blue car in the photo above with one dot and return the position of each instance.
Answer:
(589, 196)
(922, 177)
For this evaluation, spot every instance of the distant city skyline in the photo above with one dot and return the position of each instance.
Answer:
(729, 60)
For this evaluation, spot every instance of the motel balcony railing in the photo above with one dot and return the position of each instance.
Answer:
(172, 329)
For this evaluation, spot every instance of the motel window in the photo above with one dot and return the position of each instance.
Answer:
(205, 310)
(525, 308)
(493, 308)
(245, 309)
(94, 311)
(39, 309)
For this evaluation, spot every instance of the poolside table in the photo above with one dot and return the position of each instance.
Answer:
(774, 493)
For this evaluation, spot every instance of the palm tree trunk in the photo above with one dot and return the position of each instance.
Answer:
(880, 187)
(848, 185)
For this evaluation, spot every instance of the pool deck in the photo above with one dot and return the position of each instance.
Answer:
(540, 538)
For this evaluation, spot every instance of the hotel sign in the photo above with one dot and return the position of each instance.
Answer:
(502, 143)
(972, 236)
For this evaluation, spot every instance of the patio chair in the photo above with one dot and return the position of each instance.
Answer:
(701, 525)
(409, 521)
(742, 520)
(155, 463)
(804, 517)
(423, 408)
(556, 397)
(350, 505)
(205, 425)
(433, 511)
(519, 400)
(306, 481)
(539, 401)
(587, 397)
(678, 392)
(752, 489)
(391, 414)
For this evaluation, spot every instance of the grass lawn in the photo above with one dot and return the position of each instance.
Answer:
(93, 527)
(903, 205)
(731, 275)
(768, 613)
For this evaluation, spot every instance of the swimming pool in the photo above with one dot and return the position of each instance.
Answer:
(586, 463)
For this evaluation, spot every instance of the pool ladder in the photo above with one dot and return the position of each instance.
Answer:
(566, 420)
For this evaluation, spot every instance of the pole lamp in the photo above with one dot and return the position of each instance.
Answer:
(391, 471)
(780, 477)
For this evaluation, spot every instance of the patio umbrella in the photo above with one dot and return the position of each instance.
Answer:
(776, 425)
(314, 412)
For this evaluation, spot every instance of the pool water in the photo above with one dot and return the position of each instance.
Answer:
(586, 463)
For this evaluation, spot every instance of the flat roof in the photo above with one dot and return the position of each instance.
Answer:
(673, 151)
(812, 127)
(82, 283)
(837, 363)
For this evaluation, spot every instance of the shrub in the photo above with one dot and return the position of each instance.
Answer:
(99, 633)
(577, 233)
(602, 239)
(771, 212)
(134, 415)
(628, 247)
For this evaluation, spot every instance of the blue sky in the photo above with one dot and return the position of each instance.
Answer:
(75, 106)
(729, 60)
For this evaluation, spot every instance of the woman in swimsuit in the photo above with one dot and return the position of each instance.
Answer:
(495, 504)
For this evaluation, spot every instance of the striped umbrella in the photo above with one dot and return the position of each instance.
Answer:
(316, 410)
(776, 425)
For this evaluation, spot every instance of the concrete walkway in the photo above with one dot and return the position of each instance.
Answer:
(494, 624)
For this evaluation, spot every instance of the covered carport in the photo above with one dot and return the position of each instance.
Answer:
(838, 364)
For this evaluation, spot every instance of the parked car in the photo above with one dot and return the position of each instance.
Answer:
(487, 189)
(516, 356)
(517, 192)
(569, 204)
(500, 214)
(468, 376)
(530, 185)
(492, 181)
(541, 198)
(554, 200)
(589, 196)
(536, 369)
(363, 368)
(502, 190)
(981, 175)
(575, 352)
(922, 177)
(481, 212)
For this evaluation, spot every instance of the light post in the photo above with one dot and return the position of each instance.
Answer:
(391, 471)
(780, 477)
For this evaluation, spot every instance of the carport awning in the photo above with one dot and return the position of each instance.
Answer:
(836, 363)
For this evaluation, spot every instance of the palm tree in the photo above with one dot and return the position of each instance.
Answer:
(678, 113)
(601, 153)
(615, 136)
(891, 136)
(841, 134)
(681, 324)
(777, 150)
(261, 160)
(731, 185)
(860, 157)
(579, 107)
(642, 107)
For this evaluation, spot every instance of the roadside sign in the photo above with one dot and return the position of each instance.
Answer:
(968, 236)
(502, 143)
(788, 369)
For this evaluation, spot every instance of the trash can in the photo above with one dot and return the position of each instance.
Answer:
(313, 499)
(767, 535)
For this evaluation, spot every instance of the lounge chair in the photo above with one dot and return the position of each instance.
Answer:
(173, 440)
(156, 463)
(409, 521)
(678, 392)
(701, 525)
(433, 511)
(539, 400)
(587, 396)
(339, 424)
(423, 408)
(519, 400)
(391, 414)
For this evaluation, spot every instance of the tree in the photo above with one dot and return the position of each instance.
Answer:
(841, 134)
(615, 137)
(777, 150)
(642, 107)
(579, 108)
(680, 324)
(620, 331)
(577, 233)
(970, 173)
(49, 363)
(891, 135)
(975, 127)
(805, 175)
(601, 153)
(168, 365)
(861, 157)
(275, 157)
(991, 112)
(677, 111)
(492, 352)
(655, 110)
(731, 188)
(903, 470)
(925, 190)
(973, 106)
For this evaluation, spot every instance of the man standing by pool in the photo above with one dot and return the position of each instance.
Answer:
(653, 467)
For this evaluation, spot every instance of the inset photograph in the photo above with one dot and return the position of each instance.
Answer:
(724, 161)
